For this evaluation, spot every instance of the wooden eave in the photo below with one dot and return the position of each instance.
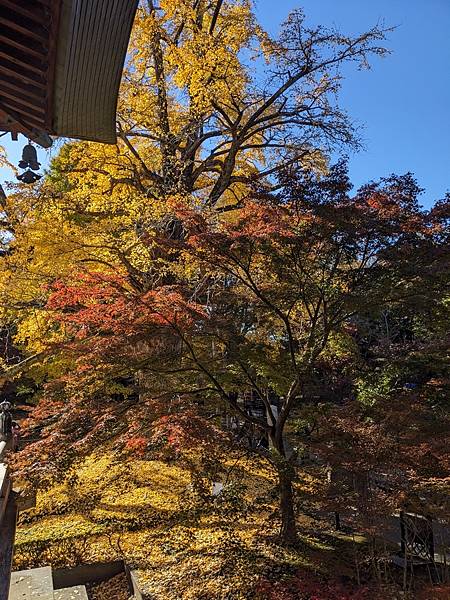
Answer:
(60, 66)
(27, 61)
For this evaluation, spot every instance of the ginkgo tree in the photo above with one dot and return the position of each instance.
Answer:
(211, 101)
(209, 104)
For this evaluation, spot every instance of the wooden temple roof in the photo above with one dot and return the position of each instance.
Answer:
(61, 63)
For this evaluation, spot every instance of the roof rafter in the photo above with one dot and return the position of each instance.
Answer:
(60, 66)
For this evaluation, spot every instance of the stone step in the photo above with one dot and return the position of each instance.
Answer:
(77, 592)
(34, 584)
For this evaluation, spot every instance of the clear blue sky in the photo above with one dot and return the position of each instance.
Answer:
(403, 102)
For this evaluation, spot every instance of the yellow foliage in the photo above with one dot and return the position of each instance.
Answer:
(4, 162)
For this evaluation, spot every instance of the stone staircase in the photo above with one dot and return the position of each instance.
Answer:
(37, 584)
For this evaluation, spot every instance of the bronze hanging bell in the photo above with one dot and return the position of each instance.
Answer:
(29, 158)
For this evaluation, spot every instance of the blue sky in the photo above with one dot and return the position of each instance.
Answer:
(403, 103)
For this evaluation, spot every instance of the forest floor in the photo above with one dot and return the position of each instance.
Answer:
(185, 543)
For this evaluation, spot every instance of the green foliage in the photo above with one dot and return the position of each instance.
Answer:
(378, 385)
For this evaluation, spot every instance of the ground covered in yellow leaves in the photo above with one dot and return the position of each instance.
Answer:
(184, 542)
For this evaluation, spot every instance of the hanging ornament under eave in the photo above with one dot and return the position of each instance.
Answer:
(29, 177)
(30, 163)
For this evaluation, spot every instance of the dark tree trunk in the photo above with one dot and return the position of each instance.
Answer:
(288, 530)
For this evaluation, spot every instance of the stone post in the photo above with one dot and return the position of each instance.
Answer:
(6, 432)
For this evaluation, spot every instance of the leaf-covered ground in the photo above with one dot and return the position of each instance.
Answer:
(185, 543)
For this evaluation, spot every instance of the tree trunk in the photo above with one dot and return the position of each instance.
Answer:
(288, 531)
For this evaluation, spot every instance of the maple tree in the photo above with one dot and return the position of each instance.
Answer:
(296, 273)
(269, 294)
(212, 256)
